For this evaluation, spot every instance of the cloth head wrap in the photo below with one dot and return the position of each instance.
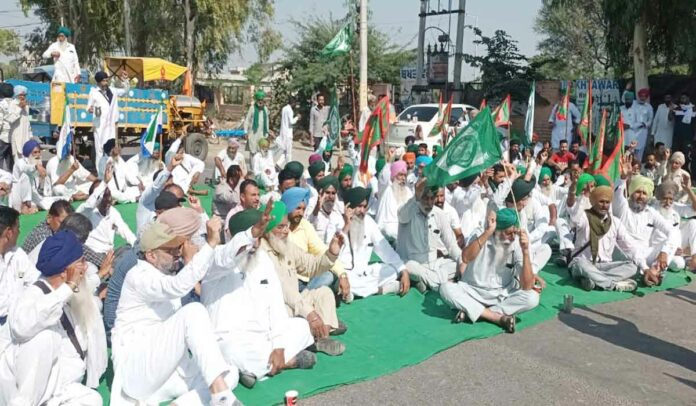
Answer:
(412, 148)
(278, 212)
(641, 183)
(259, 95)
(601, 180)
(644, 92)
(379, 165)
(423, 159)
(410, 139)
(233, 143)
(166, 200)
(183, 221)
(506, 218)
(545, 171)
(355, 196)
(108, 146)
(243, 220)
(583, 181)
(677, 156)
(409, 157)
(629, 96)
(605, 192)
(327, 181)
(315, 168)
(99, 76)
(294, 196)
(6, 90)
(20, 90)
(314, 158)
(65, 31)
(437, 150)
(666, 188)
(520, 189)
(295, 168)
(158, 235)
(158, 147)
(398, 167)
(29, 147)
(58, 252)
(345, 172)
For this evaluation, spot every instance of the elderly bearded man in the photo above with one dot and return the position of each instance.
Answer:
(317, 306)
(598, 234)
(162, 350)
(364, 238)
(247, 309)
(58, 337)
(228, 157)
(392, 199)
(496, 279)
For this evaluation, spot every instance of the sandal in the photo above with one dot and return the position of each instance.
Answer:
(459, 318)
(508, 324)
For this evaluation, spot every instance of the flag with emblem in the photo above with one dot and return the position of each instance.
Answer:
(65, 137)
(501, 115)
(474, 149)
(341, 42)
(149, 137)
(375, 130)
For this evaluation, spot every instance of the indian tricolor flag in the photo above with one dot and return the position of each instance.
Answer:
(149, 137)
(65, 138)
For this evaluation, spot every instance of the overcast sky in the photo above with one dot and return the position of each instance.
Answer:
(397, 18)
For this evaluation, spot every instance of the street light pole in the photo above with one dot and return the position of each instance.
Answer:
(363, 54)
(421, 44)
(458, 53)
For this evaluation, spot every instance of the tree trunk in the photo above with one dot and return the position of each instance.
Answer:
(641, 62)
(126, 28)
(189, 32)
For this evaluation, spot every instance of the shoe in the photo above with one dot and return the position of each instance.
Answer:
(459, 318)
(391, 287)
(628, 285)
(248, 380)
(349, 299)
(508, 324)
(420, 285)
(329, 346)
(305, 359)
(587, 284)
(564, 258)
(342, 328)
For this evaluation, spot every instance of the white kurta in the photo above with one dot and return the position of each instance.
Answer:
(662, 127)
(263, 167)
(143, 168)
(387, 212)
(16, 274)
(146, 205)
(639, 118)
(20, 128)
(326, 225)
(77, 182)
(562, 130)
(27, 186)
(104, 123)
(188, 168)
(366, 279)
(287, 121)
(67, 65)
(253, 137)
(248, 312)
(124, 182)
(104, 228)
(227, 162)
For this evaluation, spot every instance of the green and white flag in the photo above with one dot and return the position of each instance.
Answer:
(340, 44)
(529, 119)
(149, 137)
(474, 149)
(333, 122)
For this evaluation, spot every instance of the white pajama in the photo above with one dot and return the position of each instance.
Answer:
(367, 281)
(474, 300)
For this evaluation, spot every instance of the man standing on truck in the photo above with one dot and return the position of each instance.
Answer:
(66, 64)
(256, 123)
(103, 104)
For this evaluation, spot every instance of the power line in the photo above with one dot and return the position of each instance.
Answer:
(20, 25)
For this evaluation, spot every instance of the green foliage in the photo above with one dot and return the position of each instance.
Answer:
(255, 74)
(503, 69)
(9, 42)
(574, 43)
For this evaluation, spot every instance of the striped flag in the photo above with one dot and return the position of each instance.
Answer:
(149, 137)
(376, 128)
(443, 117)
(501, 115)
(562, 111)
(584, 127)
(65, 138)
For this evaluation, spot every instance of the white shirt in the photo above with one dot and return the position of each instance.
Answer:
(494, 267)
(143, 168)
(452, 216)
(146, 205)
(326, 225)
(227, 162)
(662, 127)
(55, 168)
(387, 212)
(263, 167)
(358, 258)
(287, 120)
(16, 273)
(67, 65)
(101, 238)
(189, 166)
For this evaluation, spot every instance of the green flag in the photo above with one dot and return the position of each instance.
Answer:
(333, 121)
(475, 148)
(340, 44)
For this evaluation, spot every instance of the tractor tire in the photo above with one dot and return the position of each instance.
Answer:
(196, 145)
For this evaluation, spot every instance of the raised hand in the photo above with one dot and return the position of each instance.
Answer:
(213, 227)
(259, 228)
(336, 244)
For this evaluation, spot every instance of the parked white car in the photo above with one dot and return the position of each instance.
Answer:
(425, 115)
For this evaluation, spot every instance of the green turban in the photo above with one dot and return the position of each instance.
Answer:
(158, 147)
(327, 181)
(345, 172)
(629, 96)
(437, 150)
(601, 180)
(412, 148)
(506, 218)
(295, 169)
(354, 196)
(315, 168)
(259, 95)
(583, 181)
(65, 31)
(545, 171)
(263, 142)
(641, 183)
(520, 189)
(278, 212)
(379, 165)
(243, 220)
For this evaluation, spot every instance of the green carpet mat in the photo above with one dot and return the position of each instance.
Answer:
(387, 333)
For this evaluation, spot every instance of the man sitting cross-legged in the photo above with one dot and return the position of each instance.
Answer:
(497, 281)
(246, 307)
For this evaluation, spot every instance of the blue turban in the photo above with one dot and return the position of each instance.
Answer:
(58, 252)
(423, 159)
(65, 31)
(294, 196)
(28, 147)
(158, 147)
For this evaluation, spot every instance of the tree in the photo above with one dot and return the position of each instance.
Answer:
(574, 42)
(503, 68)
(9, 42)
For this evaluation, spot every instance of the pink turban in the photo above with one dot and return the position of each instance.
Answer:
(314, 158)
(644, 92)
(397, 168)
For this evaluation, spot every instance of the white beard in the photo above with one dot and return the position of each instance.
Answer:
(278, 245)
(665, 212)
(356, 233)
(83, 308)
(401, 193)
(547, 190)
(249, 261)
